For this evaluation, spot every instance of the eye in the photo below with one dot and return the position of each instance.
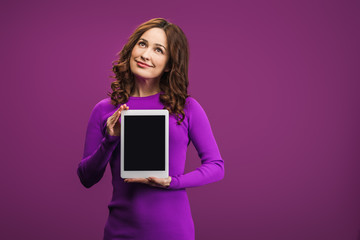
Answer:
(160, 50)
(142, 43)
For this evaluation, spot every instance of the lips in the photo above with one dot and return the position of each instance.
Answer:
(142, 64)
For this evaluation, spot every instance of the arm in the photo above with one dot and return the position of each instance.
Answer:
(212, 165)
(97, 151)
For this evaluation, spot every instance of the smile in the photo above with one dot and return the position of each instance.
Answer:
(141, 64)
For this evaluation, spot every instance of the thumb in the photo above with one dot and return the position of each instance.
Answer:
(154, 180)
(151, 179)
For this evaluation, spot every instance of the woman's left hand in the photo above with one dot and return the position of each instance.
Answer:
(153, 181)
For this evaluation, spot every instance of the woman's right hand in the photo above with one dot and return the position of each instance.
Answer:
(113, 123)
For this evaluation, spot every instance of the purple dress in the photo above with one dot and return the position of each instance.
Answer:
(140, 211)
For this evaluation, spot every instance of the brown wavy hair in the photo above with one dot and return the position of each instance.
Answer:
(173, 84)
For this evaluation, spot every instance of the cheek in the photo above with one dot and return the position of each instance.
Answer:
(134, 52)
(161, 61)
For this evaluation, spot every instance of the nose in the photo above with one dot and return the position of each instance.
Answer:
(146, 54)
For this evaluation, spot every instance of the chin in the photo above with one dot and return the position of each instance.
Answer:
(139, 74)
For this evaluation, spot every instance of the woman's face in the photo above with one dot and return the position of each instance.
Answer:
(150, 55)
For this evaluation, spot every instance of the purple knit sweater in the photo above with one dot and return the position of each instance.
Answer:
(140, 211)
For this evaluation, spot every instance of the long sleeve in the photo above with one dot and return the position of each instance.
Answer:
(212, 165)
(98, 148)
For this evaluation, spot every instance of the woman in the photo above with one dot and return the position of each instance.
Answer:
(151, 73)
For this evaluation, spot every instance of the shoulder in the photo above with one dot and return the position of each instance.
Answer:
(191, 101)
(103, 102)
(103, 106)
(192, 105)
(193, 110)
(197, 116)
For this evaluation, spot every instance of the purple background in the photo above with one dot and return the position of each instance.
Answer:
(279, 81)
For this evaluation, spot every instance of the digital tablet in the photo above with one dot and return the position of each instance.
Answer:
(144, 144)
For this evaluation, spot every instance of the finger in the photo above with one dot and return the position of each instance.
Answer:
(122, 107)
(152, 179)
(119, 109)
(134, 179)
(157, 181)
(111, 120)
(144, 181)
(118, 112)
(110, 123)
(137, 180)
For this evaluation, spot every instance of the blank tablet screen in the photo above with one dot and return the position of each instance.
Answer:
(144, 143)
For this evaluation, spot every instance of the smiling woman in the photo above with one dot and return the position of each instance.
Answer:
(151, 73)
(144, 45)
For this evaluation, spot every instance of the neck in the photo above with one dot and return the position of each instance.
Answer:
(146, 87)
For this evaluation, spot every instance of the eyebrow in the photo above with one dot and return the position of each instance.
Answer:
(158, 44)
